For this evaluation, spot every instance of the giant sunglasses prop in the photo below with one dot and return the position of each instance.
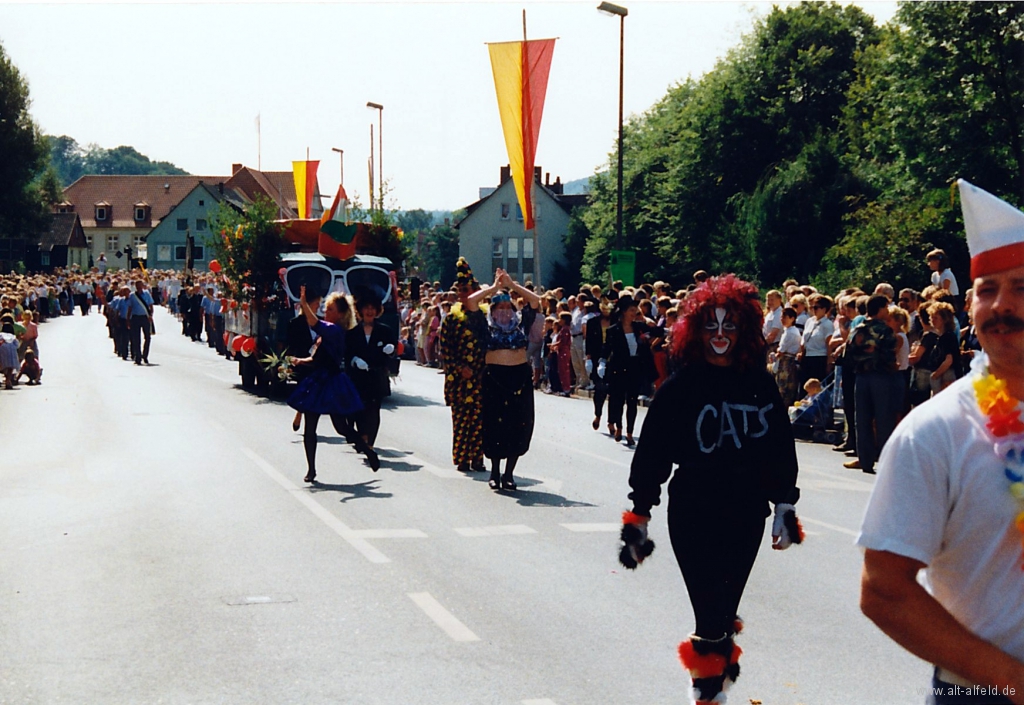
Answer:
(320, 280)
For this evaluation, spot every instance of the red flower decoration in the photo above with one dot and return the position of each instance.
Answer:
(1005, 424)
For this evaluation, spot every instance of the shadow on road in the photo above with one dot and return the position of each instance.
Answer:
(398, 399)
(526, 497)
(360, 490)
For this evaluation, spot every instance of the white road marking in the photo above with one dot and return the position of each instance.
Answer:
(541, 701)
(355, 538)
(388, 534)
(840, 529)
(506, 530)
(610, 527)
(442, 617)
(552, 486)
(577, 451)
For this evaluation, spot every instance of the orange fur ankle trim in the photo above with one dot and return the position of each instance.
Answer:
(631, 518)
(700, 665)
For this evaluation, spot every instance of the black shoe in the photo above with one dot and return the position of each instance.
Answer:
(138, 362)
(310, 477)
(371, 458)
(866, 471)
(507, 483)
(841, 448)
(494, 483)
(463, 467)
(629, 440)
(478, 467)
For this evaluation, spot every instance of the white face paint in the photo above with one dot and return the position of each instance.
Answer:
(719, 342)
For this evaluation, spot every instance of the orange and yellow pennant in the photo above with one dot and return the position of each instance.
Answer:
(304, 174)
(521, 82)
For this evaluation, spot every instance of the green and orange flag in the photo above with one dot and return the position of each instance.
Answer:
(521, 82)
(304, 174)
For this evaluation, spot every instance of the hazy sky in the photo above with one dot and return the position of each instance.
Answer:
(184, 82)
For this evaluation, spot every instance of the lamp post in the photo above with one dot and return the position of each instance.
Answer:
(341, 155)
(621, 12)
(380, 151)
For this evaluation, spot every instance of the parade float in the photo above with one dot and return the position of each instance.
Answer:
(264, 261)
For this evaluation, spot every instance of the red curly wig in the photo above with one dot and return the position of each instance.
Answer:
(738, 297)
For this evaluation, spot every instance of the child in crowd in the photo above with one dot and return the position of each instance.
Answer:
(30, 368)
(812, 388)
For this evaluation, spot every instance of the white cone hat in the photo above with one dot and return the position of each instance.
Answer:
(995, 231)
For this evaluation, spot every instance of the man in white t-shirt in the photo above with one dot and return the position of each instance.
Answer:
(943, 500)
(772, 327)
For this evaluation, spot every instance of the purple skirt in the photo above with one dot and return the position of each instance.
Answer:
(326, 392)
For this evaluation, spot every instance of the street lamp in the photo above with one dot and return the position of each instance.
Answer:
(341, 155)
(617, 10)
(380, 150)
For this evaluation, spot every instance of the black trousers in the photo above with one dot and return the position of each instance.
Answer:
(140, 327)
(368, 421)
(600, 394)
(121, 336)
(341, 425)
(715, 552)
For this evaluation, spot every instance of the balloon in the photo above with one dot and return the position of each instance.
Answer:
(245, 305)
(236, 344)
(223, 305)
(401, 348)
(214, 266)
(249, 346)
(234, 305)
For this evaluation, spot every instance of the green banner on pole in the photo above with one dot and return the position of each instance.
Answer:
(622, 266)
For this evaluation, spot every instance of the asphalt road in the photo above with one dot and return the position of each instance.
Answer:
(158, 545)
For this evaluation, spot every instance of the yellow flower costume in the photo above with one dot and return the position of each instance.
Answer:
(461, 338)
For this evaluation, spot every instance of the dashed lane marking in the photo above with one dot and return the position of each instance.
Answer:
(355, 538)
(442, 617)
(505, 530)
(840, 529)
(610, 527)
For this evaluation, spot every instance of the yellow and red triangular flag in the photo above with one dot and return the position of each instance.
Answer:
(304, 174)
(521, 81)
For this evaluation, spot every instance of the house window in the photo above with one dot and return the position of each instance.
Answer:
(140, 214)
(513, 256)
(136, 242)
(88, 241)
(497, 253)
(182, 224)
(200, 225)
(197, 253)
(527, 256)
(519, 213)
(63, 209)
(202, 202)
(536, 211)
(163, 253)
(101, 214)
(506, 210)
(113, 243)
(44, 259)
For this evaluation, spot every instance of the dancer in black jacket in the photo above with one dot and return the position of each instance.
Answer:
(720, 422)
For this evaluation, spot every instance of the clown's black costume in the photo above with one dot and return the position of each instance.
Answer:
(721, 423)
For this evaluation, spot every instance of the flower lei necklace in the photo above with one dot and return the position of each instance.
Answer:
(1004, 423)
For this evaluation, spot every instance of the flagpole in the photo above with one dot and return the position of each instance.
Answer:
(529, 179)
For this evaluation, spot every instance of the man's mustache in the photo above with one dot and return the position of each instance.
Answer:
(1011, 322)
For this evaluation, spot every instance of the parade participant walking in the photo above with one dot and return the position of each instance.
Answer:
(508, 379)
(463, 333)
(596, 347)
(947, 498)
(721, 422)
(630, 366)
(140, 322)
(327, 389)
(368, 348)
(300, 339)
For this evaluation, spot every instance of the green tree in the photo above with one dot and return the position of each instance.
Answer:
(719, 172)
(248, 246)
(125, 160)
(67, 158)
(440, 253)
(23, 151)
